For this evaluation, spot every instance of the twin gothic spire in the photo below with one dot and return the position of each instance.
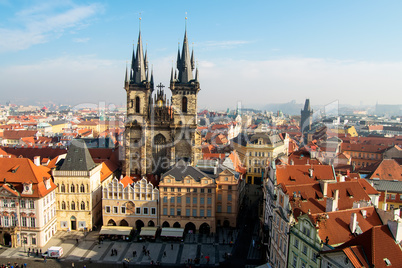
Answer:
(139, 72)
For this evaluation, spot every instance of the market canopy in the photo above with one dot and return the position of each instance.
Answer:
(148, 231)
(116, 230)
(172, 232)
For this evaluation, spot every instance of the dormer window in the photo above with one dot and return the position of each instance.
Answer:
(47, 184)
(27, 188)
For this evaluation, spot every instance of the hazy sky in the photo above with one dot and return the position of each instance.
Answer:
(255, 52)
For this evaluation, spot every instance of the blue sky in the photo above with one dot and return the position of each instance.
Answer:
(255, 53)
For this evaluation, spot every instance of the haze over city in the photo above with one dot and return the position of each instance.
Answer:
(69, 52)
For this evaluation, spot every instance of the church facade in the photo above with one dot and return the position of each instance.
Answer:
(159, 132)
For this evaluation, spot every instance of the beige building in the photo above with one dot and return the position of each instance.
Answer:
(257, 150)
(129, 203)
(79, 196)
(200, 198)
(28, 203)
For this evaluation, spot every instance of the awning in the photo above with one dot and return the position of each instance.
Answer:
(116, 230)
(172, 232)
(148, 231)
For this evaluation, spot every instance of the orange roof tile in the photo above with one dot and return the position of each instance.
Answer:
(127, 180)
(108, 167)
(335, 226)
(299, 174)
(388, 169)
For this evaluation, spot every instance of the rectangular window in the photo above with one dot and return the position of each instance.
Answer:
(24, 222)
(12, 203)
(188, 212)
(179, 199)
(13, 220)
(229, 209)
(219, 208)
(194, 190)
(165, 211)
(5, 203)
(171, 211)
(188, 200)
(33, 241)
(202, 190)
(209, 200)
(202, 213)
(202, 200)
(33, 222)
(115, 210)
(123, 210)
(31, 204)
(294, 264)
(209, 214)
(153, 211)
(296, 243)
(107, 209)
(172, 199)
(230, 187)
(165, 199)
(172, 189)
(145, 211)
(304, 249)
(138, 211)
(194, 213)
(194, 200)
(178, 212)
(209, 191)
(22, 204)
(393, 197)
(229, 197)
(188, 190)
(179, 190)
(219, 197)
(165, 189)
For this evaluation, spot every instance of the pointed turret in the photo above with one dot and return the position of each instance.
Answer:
(307, 105)
(196, 75)
(171, 75)
(152, 75)
(138, 64)
(192, 60)
(125, 77)
(185, 67)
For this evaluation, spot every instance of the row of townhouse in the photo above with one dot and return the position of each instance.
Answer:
(309, 210)
(197, 199)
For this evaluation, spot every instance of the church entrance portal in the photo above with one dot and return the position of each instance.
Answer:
(159, 154)
(7, 239)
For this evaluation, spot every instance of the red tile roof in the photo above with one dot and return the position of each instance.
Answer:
(378, 244)
(108, 168)
(388, 169)
(335, 226)
(16, 171)
(18, 134)
(300, 174)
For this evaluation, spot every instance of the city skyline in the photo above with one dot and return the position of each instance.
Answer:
(266, 52)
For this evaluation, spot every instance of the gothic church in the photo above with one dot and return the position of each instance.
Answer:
(158, 133)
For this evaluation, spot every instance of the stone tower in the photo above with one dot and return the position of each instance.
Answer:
(306, 119)
(157, 134)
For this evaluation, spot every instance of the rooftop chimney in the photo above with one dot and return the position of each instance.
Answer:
(324, 188)
(331, 205)
(353, 222)
(311, 171)
(37, 160)
(395, 226)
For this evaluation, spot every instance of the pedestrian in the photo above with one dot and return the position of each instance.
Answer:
(25, 265)
(202, 255)
(44, 259)
(112, 253)
(164, 254)
(148, 252)
(171, 246)
(134, 253)
(37, 253)
(115, 251)
(76, 240)
(40, 251)
(72, 265)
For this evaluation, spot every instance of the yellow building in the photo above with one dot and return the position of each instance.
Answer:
(79, 196)
(257, 150)
(129, 203)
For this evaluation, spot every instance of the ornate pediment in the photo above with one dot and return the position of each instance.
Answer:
(6, 191)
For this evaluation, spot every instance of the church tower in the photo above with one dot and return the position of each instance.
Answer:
(306, 117)
(159, 133)
(185, 87)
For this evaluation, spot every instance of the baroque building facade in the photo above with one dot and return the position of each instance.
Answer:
(158, 133)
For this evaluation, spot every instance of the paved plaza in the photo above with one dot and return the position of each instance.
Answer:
(209, 249)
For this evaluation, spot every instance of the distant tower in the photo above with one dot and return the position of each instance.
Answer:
(306, 117)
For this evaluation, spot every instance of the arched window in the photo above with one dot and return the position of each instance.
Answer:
(82, 205)
(82, 188)
(72, 189)
(72, 205)
(184, 105)
(63, 188)
(63, 205)
(137, 104)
